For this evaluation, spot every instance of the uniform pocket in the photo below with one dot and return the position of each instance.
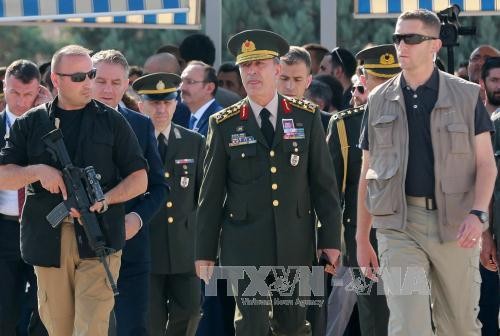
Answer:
(459, 138)
(383, 129)
(380, 199)
(458, 198)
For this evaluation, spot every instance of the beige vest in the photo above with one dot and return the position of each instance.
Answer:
(452, 134)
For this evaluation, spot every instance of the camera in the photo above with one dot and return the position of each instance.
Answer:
(450, 27)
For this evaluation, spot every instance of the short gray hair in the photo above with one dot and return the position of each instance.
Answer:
(111, 56)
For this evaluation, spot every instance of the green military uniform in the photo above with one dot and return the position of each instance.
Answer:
(258, 201)
(172, 230)
(343, 138)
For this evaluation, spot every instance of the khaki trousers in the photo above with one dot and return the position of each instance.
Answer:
(76, 299)
(418, 270)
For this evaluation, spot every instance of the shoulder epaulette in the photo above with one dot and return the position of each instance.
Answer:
(228, 112)
(348, 113)
(302, 104)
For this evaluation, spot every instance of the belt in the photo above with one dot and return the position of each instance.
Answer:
(9, 218)
(429, 203)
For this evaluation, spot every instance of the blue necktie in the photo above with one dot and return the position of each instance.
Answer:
(192, 121)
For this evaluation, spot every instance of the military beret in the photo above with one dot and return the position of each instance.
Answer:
(380, 61)
(255, 44)
(157, 86)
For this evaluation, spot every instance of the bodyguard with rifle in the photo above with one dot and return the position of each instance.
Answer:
(75, 292)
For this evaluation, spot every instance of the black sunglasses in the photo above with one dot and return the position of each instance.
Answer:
(411, 38)
(78, 77)
(360, 88)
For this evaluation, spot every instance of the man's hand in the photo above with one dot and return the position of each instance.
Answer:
(132, 225)
(204, 269)
(51, 179)
(367, 259)
(44, 96)
(488, 255)
(470, 232)
(96, 207)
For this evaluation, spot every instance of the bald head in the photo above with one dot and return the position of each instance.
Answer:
(163, 62)
(477, 58)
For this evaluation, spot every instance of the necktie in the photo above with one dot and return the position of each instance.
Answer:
(266, 126)
(192, 121)
(162, 146)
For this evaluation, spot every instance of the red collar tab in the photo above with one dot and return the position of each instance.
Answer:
(244, 112)
(286, 107)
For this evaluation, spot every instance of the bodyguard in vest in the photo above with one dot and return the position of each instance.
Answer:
(379, 63)
(175, 289)
(426, 182)
(267, 171)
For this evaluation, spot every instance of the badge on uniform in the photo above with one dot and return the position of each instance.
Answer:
(294, 160)
(239, 139)
(184, 181)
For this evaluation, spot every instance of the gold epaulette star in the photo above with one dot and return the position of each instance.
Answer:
(303, 104)
(348, 113)
(228, 112)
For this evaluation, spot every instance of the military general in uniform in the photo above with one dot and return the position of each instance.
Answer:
(175, 289)
(266, 173)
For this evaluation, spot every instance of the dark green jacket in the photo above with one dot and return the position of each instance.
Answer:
(172, 230)
(261, 200)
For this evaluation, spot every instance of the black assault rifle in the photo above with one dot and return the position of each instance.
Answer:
(82, 185)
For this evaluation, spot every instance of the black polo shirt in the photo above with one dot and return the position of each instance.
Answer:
(419, 104)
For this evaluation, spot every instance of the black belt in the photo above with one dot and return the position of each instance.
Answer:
(9, 218)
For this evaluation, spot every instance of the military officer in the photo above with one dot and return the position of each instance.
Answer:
(379, 63)
(175, 289)
(266, 172)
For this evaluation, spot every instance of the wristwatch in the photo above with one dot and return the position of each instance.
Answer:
(483, 216)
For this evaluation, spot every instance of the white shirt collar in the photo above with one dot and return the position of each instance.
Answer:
(199, 113)
(11, 116)
(272, 107)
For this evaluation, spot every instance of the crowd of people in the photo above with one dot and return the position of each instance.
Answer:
(378, 167)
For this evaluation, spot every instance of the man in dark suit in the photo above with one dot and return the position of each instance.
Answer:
(266, 172)
(198, 87)
(175, 289)
(22, 92)
(133, 283)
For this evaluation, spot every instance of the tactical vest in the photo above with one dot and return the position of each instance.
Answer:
(452, 136)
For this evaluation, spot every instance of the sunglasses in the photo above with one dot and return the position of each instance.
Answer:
(78, 77)
(411, 38)
(360, 88)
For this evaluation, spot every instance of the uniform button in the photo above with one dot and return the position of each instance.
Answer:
(167, 174)
(296, 150)
(276, 203)
(169, 204)
(348, 220)
(271, 153)
(184, 167)
(415, 96)
(415, 106)
(231, 215)
(295, 144)
(309, 211)
(170, 220)
(242, 155)
(274, 186)
(319, 224)
(185, 172)
(273, 170)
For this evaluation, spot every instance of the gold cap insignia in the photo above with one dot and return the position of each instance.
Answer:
(387, 59)
(247, 46)
(160, 85)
